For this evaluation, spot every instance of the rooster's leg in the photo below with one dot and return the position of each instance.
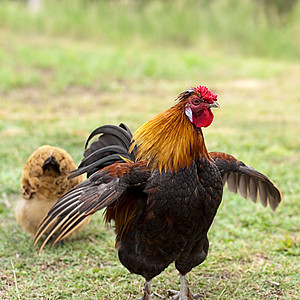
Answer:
(147, 292)
(184, 293)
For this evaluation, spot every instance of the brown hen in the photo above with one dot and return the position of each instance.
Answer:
(43, 181)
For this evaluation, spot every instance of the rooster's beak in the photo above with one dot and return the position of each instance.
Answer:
(215, 104)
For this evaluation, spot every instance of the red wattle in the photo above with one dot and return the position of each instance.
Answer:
(204, 119)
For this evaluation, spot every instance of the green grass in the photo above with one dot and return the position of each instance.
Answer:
(63, 73)
(222, 25)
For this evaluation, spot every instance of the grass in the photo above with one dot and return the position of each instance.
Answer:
(63, 74)
(202, 24)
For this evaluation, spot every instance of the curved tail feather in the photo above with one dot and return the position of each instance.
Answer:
(111, 146)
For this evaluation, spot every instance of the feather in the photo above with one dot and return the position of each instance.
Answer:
(118, 134)
(232, 182)
(224, 178)
(263, 194)
(253, 191)
(243, 186)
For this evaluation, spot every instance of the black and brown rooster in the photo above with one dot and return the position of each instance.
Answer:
(161, 187)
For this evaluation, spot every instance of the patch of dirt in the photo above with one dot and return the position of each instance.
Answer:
(53, 265)
(259, 258)
(7, 280)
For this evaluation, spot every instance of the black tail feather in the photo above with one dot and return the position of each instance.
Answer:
(117, 133)
(101, 153)
(112, 145)
(97, 165)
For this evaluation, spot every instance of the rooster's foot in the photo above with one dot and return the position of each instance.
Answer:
(150, 297)
(184, 293)
(176, 295)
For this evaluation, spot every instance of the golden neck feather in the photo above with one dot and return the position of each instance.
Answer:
(169, 141)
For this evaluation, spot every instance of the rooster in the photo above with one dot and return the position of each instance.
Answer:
(44, 181)
(161, 187)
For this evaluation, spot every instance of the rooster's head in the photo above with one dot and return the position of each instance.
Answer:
(173, 139)
(199, 101)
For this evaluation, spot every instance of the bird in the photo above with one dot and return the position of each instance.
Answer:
(43, 182)
(161, 187)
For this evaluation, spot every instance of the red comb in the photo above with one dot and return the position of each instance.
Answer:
(206, 93)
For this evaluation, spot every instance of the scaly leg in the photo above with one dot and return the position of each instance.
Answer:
(184, 293)
(147, 292)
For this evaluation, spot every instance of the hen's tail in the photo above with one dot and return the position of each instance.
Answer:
(111, 146)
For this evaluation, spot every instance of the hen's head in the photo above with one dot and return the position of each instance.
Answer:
(198, 103)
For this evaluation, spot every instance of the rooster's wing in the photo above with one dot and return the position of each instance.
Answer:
(246, 180)
(100, 190)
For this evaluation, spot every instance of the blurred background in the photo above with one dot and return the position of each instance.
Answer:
(87, 62)
(101, 44)
(67, 67)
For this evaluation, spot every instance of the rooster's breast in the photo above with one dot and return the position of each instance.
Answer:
(188, 199)
(179, 211)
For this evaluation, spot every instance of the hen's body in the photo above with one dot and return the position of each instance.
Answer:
(43, 181)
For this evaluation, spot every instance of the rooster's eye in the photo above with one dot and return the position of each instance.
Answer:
(196, 101)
